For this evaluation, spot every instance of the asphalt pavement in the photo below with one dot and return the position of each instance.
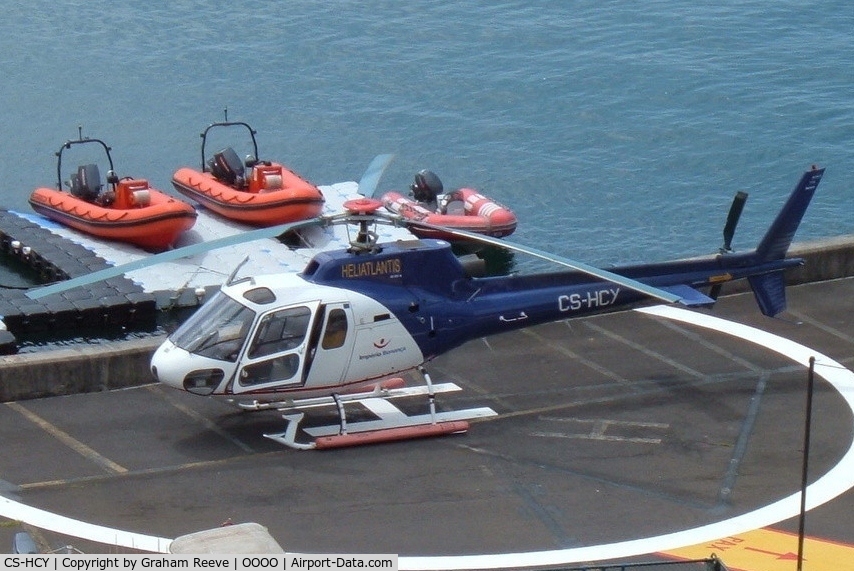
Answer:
(610, 428)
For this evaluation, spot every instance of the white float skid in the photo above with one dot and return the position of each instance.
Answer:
(391, 422)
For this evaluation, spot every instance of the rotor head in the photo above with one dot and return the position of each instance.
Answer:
(362, 211)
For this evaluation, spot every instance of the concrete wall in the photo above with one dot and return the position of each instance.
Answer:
(82, 369)
(826, 259)
(124, 364)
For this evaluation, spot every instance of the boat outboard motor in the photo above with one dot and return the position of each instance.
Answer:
(426, 188)
(86, 183)
(227, 167)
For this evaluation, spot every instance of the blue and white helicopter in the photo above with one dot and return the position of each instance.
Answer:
(339, 331)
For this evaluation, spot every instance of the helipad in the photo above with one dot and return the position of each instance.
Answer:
(617, 436)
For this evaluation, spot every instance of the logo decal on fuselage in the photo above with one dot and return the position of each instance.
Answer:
(588, 300)
(381, 353)
(372, 268)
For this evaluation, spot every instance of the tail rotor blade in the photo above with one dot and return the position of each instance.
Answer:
(732, 219)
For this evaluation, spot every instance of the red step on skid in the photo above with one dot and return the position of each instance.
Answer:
(391, 434)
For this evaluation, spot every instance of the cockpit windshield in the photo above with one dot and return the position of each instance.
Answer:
(217, 330)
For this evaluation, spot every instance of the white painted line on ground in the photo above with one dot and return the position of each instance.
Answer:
(837, 481)
(75, 528)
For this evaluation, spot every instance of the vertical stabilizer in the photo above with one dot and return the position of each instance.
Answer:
(770, 292)
(779, 237)
(770, 288)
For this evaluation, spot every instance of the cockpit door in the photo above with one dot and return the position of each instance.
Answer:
(276, 352)
(334, 346)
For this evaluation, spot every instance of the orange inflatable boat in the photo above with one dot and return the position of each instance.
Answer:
(463, 209)
(126, 210)
(260, 193)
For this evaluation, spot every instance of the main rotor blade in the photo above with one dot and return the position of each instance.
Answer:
(629, 283)
(369, 181)
(170, 255)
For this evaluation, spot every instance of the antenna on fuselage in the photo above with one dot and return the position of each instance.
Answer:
(233, 273)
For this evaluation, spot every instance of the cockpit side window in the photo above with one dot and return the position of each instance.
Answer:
(280, 331)
(336, 330)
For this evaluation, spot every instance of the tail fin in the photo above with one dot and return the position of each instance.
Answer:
(777, 240)
(769, 289)
(770, 292)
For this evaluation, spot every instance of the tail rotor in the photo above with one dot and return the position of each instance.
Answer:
(732, 220)
(729, 231)
(769, 257)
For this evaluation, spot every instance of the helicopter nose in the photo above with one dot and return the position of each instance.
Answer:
(163, 365)
(173, 366)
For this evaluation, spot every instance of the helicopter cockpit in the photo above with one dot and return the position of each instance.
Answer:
(253, 342)
(262, 347)
(218, 329)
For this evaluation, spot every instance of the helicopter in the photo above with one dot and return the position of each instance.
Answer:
(342, 329)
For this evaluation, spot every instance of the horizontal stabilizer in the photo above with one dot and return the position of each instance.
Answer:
(770, 292)
(688, 295)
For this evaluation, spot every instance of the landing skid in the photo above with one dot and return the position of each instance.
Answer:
(390, 424)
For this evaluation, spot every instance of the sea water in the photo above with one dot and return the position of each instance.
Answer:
(617, 131)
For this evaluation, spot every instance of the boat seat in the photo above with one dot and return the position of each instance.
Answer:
(227, 167)
(85, 184)
(265, 178)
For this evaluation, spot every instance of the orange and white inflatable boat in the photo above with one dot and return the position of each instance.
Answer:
(463, 209)
(259, 193)
(126, 210)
